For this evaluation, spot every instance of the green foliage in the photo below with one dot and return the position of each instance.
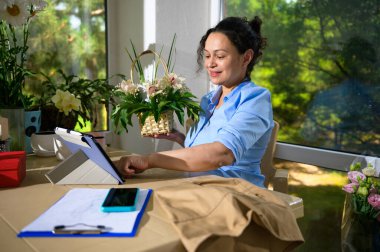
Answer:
(13, 57)
(89, 92)
(314, 47)
(170, 99)
(71, 37)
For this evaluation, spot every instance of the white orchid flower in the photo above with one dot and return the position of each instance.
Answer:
(171, 80)
(65, 101)
(58, 98)
(128, 87)
(70, 103)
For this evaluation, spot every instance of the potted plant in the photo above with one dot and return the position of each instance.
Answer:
(155, 100)
(15, 17)
(69, 100)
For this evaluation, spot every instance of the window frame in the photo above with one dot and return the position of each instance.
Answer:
(330, 159)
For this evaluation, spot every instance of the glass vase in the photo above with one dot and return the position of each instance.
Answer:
(15, 129)
(358, 232)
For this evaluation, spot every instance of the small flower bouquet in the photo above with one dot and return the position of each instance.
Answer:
(153, 101)
(360, 228)
(364, 190)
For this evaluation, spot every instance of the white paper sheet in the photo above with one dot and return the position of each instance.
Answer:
(83, 205)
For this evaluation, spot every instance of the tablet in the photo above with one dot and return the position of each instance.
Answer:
(85, 147)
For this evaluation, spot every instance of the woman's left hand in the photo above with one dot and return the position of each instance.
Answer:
(174, 136)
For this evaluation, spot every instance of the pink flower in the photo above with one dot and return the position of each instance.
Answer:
(152, 90)
(354, 175)
(350, 188)
(374, 200)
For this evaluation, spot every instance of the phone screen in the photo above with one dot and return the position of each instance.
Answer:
(120, 199)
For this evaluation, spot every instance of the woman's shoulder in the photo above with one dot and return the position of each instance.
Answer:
(250, 85)
(251, 90)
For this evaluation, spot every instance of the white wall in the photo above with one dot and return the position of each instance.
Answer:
(136, 20)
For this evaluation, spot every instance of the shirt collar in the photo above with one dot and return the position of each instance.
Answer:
(215, 97)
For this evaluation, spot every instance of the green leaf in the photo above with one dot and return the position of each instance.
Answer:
(157, 63)
(144, 116)
(180, 115)
(162, 105)
(140, 70)
(172, 48)
(174, 107)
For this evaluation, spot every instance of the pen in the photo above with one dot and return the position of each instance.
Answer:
(62, 229)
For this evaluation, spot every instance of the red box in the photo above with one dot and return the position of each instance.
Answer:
(12, 168)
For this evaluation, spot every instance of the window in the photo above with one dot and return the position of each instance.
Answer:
(71, 36)
(322, 67)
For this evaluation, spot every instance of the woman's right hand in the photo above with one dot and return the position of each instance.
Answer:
(130, 165)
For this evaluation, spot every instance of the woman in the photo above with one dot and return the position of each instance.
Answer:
(231, 136)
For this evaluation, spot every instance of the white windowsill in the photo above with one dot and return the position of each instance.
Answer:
(319, 157)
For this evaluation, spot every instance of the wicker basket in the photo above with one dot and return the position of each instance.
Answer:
(165, 121)
(163, 126)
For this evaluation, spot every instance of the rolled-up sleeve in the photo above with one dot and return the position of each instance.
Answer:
(249, 117)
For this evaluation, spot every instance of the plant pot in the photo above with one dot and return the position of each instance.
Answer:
(15, 129)
(32, 125)
(163, 126)
(52, 118)
(60, 149)
(43, 143)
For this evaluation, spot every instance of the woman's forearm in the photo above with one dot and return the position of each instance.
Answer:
(202, 157)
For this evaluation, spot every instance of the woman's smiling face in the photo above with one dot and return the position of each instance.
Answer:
(224, 64)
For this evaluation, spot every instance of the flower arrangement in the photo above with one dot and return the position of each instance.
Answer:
(15, 17)
(67, 97)
(153, 100)
(364, 190)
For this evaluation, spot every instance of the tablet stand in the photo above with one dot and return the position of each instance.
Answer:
(79, 169)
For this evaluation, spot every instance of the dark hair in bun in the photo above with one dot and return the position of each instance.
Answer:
(243, 34)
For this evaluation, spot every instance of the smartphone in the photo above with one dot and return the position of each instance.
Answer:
(120, 200)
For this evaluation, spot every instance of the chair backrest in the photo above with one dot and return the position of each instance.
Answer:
(267, 167)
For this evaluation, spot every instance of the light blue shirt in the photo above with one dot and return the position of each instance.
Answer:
(243, 124)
